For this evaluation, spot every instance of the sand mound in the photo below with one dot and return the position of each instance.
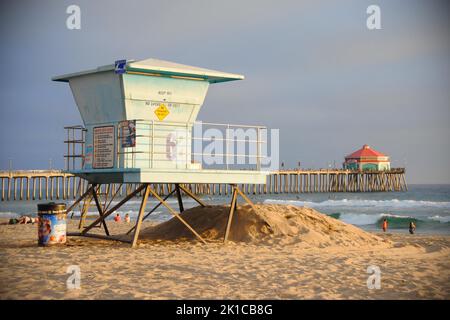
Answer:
(271, 222)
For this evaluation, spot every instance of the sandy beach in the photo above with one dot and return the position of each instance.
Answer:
(302, 263)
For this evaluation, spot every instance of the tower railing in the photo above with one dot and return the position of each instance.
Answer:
(75, 140)
(151, 144)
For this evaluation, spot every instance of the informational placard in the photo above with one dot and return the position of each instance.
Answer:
(128, 133)
(103, 147)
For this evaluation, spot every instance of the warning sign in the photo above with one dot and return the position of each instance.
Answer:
(103, 147)
(162, 112)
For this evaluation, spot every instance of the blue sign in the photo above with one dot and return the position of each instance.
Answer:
(119, 66)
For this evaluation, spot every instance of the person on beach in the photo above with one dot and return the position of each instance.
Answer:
(127, 218)
(117, 218)
(385, 225)
(412, 227)
(21, 220)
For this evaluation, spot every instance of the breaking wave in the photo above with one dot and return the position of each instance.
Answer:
(394, 203)
(395, 221)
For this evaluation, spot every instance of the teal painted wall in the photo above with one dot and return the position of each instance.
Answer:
(351, 166)
(367, 166)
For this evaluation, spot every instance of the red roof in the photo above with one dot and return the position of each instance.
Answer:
(364, 152)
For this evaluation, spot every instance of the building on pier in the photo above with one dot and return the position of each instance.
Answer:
(367, 158)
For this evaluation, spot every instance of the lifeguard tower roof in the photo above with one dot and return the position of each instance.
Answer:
(161, 68)
(139, 119)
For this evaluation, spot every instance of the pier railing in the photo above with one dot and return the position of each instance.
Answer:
(58, 184)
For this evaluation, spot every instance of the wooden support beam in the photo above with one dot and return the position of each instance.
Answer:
(247, 199)
(99, 207)
(84, 211)
(153, 210)
(97, 236)
(117, 206)
(176, 214)
(230, 215)
(193, 196)
(117, 190)
(180, 200)
(137, 228)
(88, 191)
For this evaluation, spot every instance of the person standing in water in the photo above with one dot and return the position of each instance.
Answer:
(412, 227)
(385, 225)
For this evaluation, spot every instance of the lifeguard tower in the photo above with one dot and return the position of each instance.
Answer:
(140, 128)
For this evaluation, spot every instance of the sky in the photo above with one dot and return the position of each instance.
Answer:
(312, 69)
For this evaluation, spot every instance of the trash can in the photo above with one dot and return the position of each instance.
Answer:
(52, 223)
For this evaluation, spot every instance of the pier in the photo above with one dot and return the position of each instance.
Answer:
(59, 185)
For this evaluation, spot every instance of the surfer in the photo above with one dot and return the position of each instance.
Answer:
(412, 227)
(385, 225)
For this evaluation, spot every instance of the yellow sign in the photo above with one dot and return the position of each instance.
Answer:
(162, 112)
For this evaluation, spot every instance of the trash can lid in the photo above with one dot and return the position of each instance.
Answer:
(51, 206)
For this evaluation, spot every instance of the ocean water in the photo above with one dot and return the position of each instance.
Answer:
(427, 205)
